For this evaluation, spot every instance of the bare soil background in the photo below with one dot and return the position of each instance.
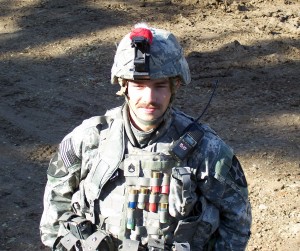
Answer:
(55, 59)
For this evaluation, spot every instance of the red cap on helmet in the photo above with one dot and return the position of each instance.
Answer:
(142, 32)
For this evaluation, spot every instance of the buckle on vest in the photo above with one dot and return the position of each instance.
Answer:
(156, 244)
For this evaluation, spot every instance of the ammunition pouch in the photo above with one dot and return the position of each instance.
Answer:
(77, 234)
(199, 229)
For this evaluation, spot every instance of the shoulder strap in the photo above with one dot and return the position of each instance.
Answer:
(108, 159)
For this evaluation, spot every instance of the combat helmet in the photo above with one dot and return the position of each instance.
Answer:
(149, 53)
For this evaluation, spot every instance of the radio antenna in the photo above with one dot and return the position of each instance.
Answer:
(209, 101)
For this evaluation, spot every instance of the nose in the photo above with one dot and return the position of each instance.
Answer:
(148, 94)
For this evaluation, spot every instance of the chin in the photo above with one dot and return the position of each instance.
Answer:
(148, 119)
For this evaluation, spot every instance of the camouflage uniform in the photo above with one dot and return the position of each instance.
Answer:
(219, 177)
(100, 162)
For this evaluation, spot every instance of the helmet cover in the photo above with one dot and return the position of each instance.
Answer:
(166, 57)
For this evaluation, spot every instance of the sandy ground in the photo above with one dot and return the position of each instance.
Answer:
(55, 59)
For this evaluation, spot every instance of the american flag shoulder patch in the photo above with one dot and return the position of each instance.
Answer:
(67, 153)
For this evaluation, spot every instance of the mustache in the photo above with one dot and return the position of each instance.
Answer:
(152, 105)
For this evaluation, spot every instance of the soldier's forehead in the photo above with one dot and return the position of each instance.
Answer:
(151, 81)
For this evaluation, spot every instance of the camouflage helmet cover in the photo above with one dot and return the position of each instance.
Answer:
(166, 58)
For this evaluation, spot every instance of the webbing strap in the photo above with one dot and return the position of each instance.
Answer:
(105, 165)
(138, 181)
(186, 191)
(67, 216)
(69, 241)
(94, 240)
(158, 165)
(130, 245)
(182, 246)
(157, 244)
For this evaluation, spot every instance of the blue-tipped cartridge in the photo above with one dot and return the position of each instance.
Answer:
(132, 198)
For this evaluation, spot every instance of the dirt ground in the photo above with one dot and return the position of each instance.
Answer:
(55, 59)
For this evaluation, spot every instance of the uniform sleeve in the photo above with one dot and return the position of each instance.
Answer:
(223, 183)
(63, 179)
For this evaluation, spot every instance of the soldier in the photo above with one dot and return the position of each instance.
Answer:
(146, 176)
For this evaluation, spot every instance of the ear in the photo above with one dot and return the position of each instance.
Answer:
(177, 84)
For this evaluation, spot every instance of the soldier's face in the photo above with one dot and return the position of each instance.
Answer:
(148, 100)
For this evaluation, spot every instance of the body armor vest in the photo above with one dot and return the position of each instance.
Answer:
(137, 207)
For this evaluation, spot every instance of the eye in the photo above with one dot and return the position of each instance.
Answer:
(162, 85)
(138, 85)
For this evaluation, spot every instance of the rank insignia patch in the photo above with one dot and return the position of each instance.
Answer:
(237, 173)
(131, 168)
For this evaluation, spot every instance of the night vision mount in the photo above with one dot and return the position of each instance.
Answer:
(141, 47)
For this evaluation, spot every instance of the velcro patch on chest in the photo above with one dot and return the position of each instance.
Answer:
(131, 167)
